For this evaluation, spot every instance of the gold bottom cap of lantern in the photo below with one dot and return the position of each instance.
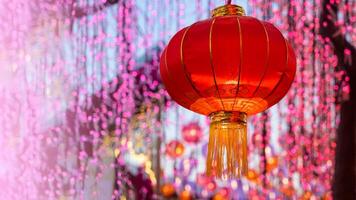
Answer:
(227, 148)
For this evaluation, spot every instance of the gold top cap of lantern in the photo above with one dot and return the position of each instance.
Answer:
(228, 10)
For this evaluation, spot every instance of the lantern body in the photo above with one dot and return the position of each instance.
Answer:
(229, 63)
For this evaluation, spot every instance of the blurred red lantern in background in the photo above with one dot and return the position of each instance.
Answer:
(287, 190)
(252, 175)
(192, 132)
(207, 182)
(174, 149)
(228, 67)
(168, 190)
(211, 185)
(185, 195)
(202, 179)
(272, 163)
(223, 194)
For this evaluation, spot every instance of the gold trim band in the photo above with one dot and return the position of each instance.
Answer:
(228, 116)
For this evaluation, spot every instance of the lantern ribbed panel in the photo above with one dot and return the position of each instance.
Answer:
(229, 63)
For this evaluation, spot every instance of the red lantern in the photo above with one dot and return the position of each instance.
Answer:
(252, 175)
(272, 163)
(185, 195)
(211, 185)
(168, 190)
(223, 194)
(288, 190)
(206, 182)
(228, 67)
(202, 179)
(192, 132)
(174, 149)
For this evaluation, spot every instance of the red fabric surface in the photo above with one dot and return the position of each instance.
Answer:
(228, 63)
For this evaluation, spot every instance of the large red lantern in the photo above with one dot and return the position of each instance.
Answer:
(228, 68)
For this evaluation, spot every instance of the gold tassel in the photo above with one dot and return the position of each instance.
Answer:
(227, 148)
